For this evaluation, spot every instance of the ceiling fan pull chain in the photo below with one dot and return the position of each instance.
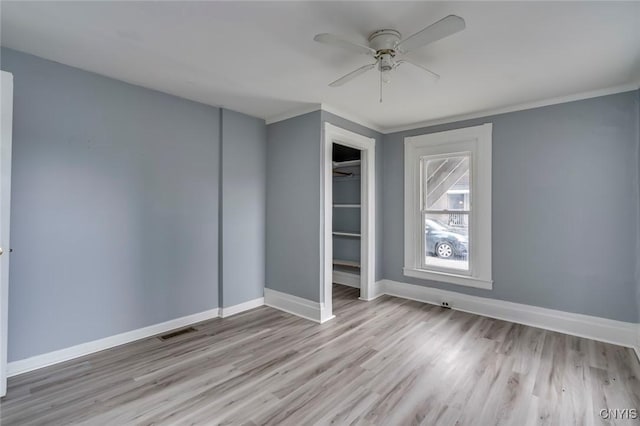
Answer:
(380, 87)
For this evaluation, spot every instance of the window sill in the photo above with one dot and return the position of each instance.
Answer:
(449, 278)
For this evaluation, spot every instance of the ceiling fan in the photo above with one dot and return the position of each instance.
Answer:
(387, 48)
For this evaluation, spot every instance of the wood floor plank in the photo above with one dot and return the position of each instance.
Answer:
(390, 361)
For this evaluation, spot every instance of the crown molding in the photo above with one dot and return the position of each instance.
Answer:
(304, 109)
(352, 118)
(307, 108)
(518, 107)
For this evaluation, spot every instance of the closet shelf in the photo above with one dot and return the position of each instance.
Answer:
(339, 164)
(347, 206)
(346, 234)
(345, 177)
(350, 263)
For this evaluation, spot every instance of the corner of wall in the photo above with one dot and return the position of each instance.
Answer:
(242, 210)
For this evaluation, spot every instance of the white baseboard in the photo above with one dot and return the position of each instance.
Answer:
(39, 361)
(241, 307)
(378, 290)
(346, 278)
(601, 329)
(596, 328)
(305, 308)
(324, 315)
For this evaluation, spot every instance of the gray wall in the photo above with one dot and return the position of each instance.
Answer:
(243, 207)
(565, 206)
(365, 131)
(293, 206)
(114, 207)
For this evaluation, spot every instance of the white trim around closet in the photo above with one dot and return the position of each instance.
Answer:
(334, 134)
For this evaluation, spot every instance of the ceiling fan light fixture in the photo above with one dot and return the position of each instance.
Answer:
(386, 76)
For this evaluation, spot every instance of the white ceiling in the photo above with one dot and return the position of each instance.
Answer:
(260, 58)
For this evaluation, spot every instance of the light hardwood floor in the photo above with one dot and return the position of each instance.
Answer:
(388, 362)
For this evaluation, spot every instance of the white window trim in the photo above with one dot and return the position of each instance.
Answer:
(476, 139)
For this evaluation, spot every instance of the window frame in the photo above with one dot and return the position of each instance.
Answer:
(478, 141)
(422, 205)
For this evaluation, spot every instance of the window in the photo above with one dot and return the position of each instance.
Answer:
(448, 206)
(445, 218)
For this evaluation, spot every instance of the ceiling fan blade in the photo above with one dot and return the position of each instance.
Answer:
(353, 74)
(335, 40)
(430, 73)
(434, 32)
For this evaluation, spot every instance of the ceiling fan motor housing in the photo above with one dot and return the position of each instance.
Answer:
(384, 40)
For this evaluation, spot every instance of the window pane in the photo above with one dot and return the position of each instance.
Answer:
(446, 240)
(446, 183)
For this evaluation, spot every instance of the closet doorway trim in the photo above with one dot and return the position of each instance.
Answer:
(334, 134)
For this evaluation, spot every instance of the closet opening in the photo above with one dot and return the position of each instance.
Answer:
(349, 217)
(346, 223)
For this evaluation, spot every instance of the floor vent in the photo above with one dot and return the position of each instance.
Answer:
(176, 333)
